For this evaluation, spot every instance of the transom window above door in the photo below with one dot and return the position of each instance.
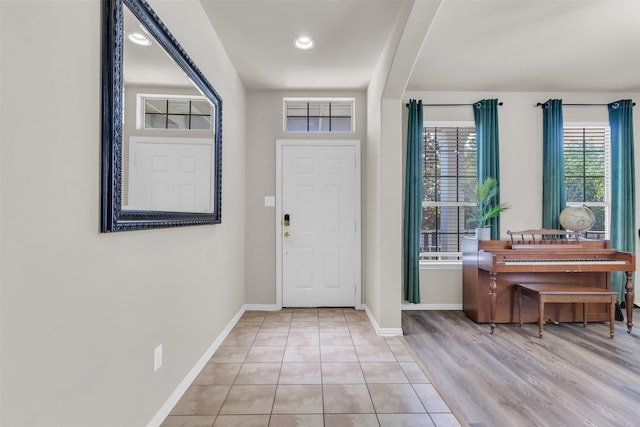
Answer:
(174, 112)
(318, 114)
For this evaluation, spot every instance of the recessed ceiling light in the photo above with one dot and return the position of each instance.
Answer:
(303, 42)
(140, 39)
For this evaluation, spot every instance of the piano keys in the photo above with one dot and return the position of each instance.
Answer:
(490, 268)
(559, 261)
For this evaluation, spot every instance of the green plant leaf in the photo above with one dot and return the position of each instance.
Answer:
(486, 208)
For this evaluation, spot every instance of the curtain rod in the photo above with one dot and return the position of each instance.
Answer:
(450, 105)
(542, 104)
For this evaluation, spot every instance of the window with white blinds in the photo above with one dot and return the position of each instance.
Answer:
(587, 173)
(449, 182)
(318, 114)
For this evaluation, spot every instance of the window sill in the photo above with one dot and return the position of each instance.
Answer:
(441, 265)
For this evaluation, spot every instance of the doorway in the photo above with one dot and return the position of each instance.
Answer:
(318, 223)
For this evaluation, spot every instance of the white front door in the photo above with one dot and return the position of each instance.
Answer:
(319, 223)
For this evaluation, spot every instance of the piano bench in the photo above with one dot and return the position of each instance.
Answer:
(566, 293)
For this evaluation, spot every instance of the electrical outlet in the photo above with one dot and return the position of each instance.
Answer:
(157, 358)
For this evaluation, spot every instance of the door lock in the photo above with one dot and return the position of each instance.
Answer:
(287, 221)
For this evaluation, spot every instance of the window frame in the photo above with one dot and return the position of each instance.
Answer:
(444, 260)
(607, 171)
(350, 100)
(141, 111)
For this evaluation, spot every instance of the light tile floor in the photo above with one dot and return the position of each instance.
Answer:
(310, 367)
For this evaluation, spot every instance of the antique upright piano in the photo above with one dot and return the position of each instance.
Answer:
(491, 268)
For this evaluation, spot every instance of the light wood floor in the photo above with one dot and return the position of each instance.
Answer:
(571, 377)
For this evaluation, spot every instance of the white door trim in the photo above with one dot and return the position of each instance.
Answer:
(280, 143)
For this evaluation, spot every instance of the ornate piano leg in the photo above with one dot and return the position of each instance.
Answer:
(628, 300)
(492, 299)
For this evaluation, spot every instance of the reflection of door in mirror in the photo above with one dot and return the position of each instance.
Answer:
(168, 132)
(170, 174)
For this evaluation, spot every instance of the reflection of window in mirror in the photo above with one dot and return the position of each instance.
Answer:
(184, 113)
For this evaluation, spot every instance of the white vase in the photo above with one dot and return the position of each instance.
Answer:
(483, 233)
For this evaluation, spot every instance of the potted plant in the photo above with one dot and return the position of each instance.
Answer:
(486, 207)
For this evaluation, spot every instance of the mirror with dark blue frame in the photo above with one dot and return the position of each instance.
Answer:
(161, 127)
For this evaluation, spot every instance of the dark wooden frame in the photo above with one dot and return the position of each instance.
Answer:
(113, 217)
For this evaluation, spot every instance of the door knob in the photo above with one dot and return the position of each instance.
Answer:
(287, 234)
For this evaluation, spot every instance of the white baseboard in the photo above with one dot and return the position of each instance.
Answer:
(408, 306)
(385, 332)
(193, 373)
(261, 307)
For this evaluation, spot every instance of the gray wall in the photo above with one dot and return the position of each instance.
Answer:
(80, 311)
(264, 126)
(383, 163)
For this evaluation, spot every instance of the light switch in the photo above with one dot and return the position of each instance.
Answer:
(269, 201)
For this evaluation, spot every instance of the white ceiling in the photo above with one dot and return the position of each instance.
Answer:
(562, 45)
(258, 36)
(473, 45)
(148, 65)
